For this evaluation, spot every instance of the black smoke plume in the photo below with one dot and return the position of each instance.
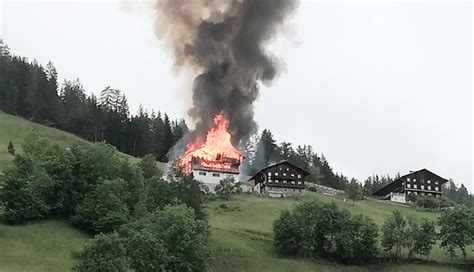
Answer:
(223, 43)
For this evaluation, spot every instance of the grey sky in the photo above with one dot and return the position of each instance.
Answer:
(376, 87)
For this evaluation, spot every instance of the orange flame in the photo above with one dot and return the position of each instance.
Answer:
(217, 152)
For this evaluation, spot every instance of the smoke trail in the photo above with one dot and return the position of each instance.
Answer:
(223, 43)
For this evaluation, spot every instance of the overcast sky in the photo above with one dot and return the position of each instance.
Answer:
(377, 87)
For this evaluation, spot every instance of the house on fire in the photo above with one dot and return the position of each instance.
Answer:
(280, 180)
(419, 183)
(211, 172)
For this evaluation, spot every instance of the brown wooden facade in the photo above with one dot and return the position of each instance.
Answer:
(419, 183)
(280, 180)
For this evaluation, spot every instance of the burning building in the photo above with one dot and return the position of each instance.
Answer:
(213, 158)
(222, 44)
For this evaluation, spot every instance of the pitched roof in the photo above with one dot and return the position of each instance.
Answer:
(400, 179)
(305, 173)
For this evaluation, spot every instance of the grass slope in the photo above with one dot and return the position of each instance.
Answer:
(15, 129)
(242, 235)
(40, 246)
(241, 239)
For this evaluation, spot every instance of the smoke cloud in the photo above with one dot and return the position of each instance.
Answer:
(223, 43)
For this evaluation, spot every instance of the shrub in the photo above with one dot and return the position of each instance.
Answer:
(394, 233)
(23, 190)
(104, 253)
(457, 230)
(325, 231)
(226, 188)
(105, 208)
(288, 234)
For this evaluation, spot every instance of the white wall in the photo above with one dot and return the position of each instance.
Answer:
(212, 178)
(398, 198)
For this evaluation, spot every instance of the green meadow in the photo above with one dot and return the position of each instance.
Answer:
(241, 229)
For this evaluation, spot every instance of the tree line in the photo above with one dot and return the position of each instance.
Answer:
(268, 151)
(324, 230)
(29, 90)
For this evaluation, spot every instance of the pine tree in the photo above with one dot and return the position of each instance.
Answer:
(11, 148)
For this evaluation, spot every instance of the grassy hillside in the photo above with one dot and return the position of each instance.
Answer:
(42, 246)
(242, 235)
(15, 129)
(241, 239)
(241, 229)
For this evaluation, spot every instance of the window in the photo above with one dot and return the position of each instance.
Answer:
(202, 173)
(422, 187)
(436, 188)
(284, 181)
(416, 193)
(284, 174)
(429, 182)
(429, 187)
(299, 176)
(408, 185)
(414, 180)
(408, 179)
(287, 169)
(215, 175)
(436, 182)
(270, 180)
(292, 175)
(269, 174)
(276, 174)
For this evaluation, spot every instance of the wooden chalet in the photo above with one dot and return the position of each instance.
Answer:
(280, 180)
(419, 183)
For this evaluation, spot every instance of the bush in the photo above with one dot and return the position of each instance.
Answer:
(457, 230)
(104, 253)
(226, 188)
(168, 240)
(429, 202)
(23, 190)
(325, 231)
(105, 208)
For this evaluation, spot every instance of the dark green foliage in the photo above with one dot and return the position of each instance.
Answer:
(377, 182)
(148, 166)
(159, 193)
(189, 192)
(226, 188)
(105, 208)
(429, 202)
(268, 152)
(459, 195)
(326, 231)
(457, 229)
(23, 190)
(288, 234)
(424, 238)
(29, 90)
(394, 234)
(104, 253)
(168, 240)
(11, 148)
(354, 191)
